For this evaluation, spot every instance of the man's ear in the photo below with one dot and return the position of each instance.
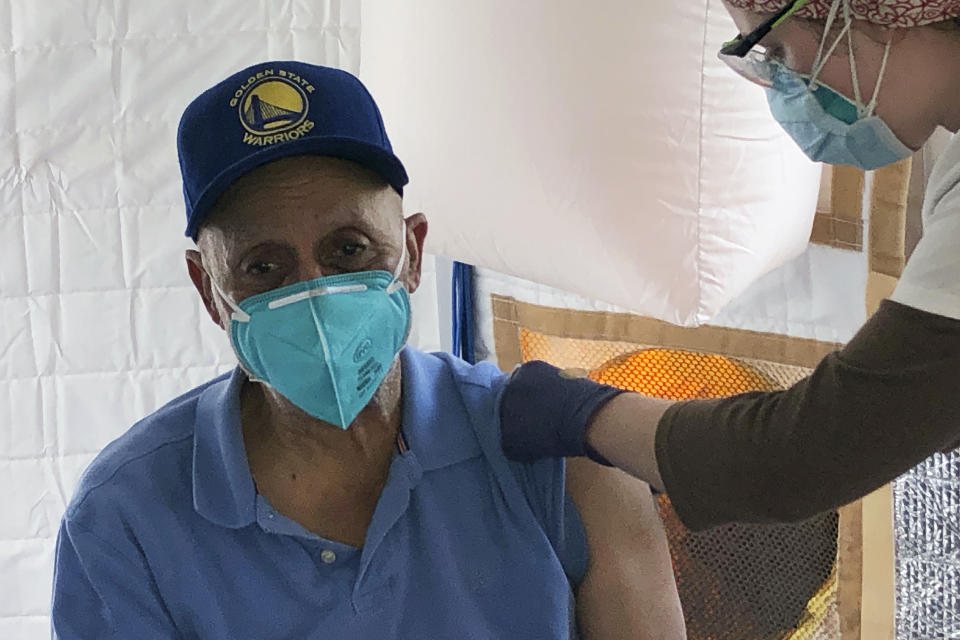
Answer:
(416, 234)
(201, 280)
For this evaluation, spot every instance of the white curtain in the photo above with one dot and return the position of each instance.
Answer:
(99, 324)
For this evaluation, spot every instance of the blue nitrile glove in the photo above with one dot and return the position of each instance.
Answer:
(545, 414)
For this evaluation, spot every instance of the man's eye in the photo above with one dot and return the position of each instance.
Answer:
(261, 268)
(352, 249)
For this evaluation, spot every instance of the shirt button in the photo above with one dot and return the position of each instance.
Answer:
(328, 556)
(270, 515)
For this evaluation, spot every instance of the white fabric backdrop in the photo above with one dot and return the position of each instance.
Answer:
(99, 324)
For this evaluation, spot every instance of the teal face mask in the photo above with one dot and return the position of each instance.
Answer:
(828, 126)
(324, 344)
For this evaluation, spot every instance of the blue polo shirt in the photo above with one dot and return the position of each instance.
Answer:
(167, 537)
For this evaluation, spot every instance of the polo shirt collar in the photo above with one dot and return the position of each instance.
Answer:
(223, 489)
(436, 423)
(436, 426)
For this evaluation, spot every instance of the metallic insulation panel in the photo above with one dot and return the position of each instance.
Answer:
(927, 514)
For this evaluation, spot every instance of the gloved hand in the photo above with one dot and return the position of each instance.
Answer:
(545, 414)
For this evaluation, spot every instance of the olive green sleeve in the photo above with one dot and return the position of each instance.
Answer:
(866, 414)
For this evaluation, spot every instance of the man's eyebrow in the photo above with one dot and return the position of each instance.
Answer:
(237, 251)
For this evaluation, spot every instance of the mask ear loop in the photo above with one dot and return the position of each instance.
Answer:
(853, 63)
(870, 108)
(821, 60)
(238, 314)
(865, 111)
(395, 283)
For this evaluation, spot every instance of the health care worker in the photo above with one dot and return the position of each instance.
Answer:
(335, 485)
(854, 82)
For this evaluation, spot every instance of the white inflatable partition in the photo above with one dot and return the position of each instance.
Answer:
(599, 148)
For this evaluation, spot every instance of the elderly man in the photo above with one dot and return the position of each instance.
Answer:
(336, 484)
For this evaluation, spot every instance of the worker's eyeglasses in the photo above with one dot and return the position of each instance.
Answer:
(753, 63)
(758, 66)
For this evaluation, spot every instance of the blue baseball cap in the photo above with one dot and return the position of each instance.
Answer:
(274, 110)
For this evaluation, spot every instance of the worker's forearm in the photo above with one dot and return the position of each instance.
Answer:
(868, 413)
(624, 431)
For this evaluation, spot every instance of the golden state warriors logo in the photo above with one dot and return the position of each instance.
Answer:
(273, 106)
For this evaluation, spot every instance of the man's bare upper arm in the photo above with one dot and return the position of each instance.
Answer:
(629, 590)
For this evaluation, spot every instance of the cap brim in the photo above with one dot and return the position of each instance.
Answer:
(374, 158)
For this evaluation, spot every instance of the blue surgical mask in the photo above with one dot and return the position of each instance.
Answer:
(324, 344)
(828, 126)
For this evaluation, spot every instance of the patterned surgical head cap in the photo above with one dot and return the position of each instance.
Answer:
(890, 13)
